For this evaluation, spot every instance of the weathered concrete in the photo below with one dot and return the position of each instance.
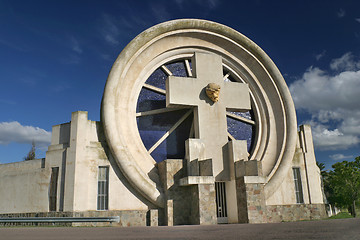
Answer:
(209, 117)
(77, 149)
(255, 182)
(177, 209)
(24, 187)
(179, 39)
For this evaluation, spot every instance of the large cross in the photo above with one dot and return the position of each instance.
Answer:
(209, 117)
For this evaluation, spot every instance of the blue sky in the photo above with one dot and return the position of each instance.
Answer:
(55, 57)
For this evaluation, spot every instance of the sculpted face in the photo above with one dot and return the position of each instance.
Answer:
(213, 91)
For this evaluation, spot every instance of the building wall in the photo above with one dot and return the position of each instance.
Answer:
(304, 159)
(127, 218)
(24, 187)
(295, 212)
(77, 148)
(86, 150)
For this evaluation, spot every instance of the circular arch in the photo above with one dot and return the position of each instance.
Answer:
(274, 108)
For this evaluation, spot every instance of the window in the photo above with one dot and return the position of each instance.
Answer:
(164, 131)
(53, 188)
(103, 189)
(298, 186)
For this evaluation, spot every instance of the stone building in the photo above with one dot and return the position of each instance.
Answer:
(197, 127)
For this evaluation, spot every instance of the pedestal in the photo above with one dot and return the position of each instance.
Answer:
(203, 199)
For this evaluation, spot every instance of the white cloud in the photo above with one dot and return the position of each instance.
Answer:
(338, 157)
(320, 55)
(15, 132)
(319, 91)
(60, 86)
(205, 4)
(333, 100)
(109, 29)
(332, 139)
(75, 46)
(211, 3)
(107, 57)
(357, 19)
(13, 45)
(114, 28)
(341, 13)
(160, 12)
(345, 63)
(72, 59)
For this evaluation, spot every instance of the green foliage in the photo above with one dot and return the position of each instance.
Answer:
(343, 184)
(325, 182)
(31, 154)
(321, 166)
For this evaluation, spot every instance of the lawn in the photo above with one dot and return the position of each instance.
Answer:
(341, 215)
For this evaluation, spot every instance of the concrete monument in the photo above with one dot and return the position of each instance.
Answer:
(197, 127)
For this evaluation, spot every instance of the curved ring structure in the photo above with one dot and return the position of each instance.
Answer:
(276, 128)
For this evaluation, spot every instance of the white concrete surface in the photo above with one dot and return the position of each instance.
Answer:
(271, 102)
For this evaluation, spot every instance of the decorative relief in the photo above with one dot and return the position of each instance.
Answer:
(213, 91)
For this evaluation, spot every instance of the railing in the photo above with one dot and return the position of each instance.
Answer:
(59, 219)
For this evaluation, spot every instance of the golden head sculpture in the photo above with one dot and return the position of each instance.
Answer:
(213, 91)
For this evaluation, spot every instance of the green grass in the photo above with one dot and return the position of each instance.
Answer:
(341, 215)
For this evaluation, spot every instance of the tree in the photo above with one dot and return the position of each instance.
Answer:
(344, 182)
(325, 182)
(321, 166)
(31, 154)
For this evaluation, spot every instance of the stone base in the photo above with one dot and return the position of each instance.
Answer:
(251, 200)
(127, 218)
(203, 204)
(152, 217)
(177, 206)
(296, 212)
(189, 200)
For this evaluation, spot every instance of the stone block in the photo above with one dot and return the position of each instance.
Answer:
(193, 167)
(247, 168)
(205, 167)
(251, 199)
(170, 171)
(295, 212)
(196, 180)
(239, 169)
(194, 150)
(203, 204)
(176, 210)
(237, 152)
(153, 217)
(169, 217)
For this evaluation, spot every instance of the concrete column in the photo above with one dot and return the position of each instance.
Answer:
(251, 199)
(247, 205)
(176, 210)
(76, 152)
(313, 178)
(203, 204)
(153, 217)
